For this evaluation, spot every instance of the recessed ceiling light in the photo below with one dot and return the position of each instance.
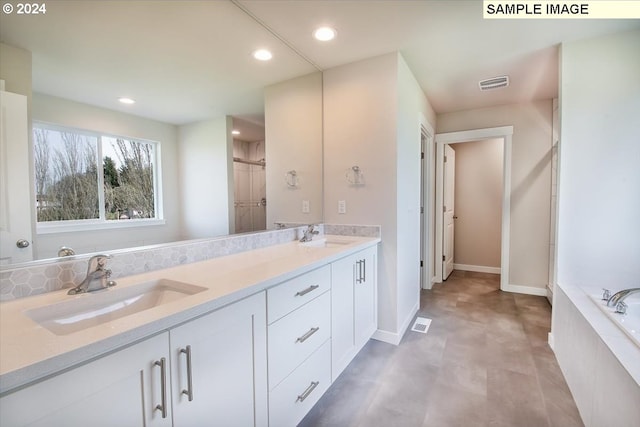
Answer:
(325, 34)
(235, 132)
(125, 100)
(262, 55)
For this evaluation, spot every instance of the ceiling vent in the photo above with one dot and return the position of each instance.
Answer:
(494, 83)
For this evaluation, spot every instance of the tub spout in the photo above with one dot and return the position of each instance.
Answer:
(620, 296)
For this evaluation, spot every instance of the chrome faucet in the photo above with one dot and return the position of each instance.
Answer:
(95, 273)
(620, 296)
(307, 235)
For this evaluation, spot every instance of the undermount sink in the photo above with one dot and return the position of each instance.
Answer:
(326, 243)
(95, 308)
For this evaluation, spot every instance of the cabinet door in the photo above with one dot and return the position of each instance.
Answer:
(365, 293)
(342, 332)
(121, 389)
(219, 362)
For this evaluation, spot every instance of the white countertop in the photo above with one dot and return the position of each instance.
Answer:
(29, 352)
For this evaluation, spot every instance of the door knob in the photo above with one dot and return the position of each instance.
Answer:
(22, 243)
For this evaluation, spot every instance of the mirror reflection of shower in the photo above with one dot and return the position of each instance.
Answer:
(249, 166)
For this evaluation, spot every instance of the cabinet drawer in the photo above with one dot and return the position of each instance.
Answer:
(289, 295)
(294, 337)
(296, 395)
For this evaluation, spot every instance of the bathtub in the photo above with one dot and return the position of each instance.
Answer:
(629, 323)
(598, 353)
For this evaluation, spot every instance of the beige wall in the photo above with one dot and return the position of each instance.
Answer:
(15, 70)
(478, 203)
(371, 119)
(530, 181)
(64, 112)
(293, 132)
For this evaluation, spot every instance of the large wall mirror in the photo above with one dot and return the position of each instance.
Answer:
(190, 70)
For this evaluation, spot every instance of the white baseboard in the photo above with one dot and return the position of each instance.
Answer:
(529, 290)
(550, 340)
(395, 337)
(549, 295)
(477, 268)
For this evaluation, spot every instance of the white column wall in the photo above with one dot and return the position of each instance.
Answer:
(598, 234)
(206, 178)
(371, 120)
(293, 133)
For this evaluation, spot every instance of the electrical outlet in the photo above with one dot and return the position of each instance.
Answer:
(305, 206)
(342, 206)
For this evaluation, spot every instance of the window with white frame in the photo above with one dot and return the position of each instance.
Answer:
(83, 177)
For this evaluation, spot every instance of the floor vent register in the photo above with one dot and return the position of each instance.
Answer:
(421, 325)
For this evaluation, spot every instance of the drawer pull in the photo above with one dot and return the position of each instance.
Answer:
(162, 407)
(308, 391)
(306, 291)
(189, 389)
(307, 335)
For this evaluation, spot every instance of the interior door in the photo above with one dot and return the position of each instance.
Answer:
(448, 208)
(15, 206)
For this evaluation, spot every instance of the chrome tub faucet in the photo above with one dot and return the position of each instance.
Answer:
(97, 276)
(620, 296)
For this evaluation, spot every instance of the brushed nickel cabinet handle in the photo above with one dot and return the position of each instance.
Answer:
(364, 270)
(163, 386)
(189, 389)
(306, 291)
(307, 392)
(307, 335)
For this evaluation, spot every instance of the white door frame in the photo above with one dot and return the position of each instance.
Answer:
(505, 133)
(428, 181)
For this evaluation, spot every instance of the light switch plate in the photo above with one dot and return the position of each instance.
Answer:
(305, 206)
(342, 206)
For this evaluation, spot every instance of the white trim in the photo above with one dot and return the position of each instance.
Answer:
(550, 340)
(505, 133)
(395, 337)
(386, 336)
(91, 225)
(528, 290)
(477, 268)
(427, 187)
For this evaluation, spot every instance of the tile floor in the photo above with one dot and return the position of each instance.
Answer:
(484, 362)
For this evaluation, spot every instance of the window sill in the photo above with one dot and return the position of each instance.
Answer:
(74, 226)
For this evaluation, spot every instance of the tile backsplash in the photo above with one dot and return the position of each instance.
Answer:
(24, 281)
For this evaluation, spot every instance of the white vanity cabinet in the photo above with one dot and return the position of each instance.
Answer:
(121, 389)
(218, 359)
(354, 306)
(299, 345)
(219, 367)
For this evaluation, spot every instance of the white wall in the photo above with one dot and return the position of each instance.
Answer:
(530, 181)
(293, 131)
(371, 119)
(73, 114)
(412, 104)
(478, 203)
(206, 178)
(598, 230)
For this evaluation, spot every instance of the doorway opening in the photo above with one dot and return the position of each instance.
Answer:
(249, 176)
(442, 241)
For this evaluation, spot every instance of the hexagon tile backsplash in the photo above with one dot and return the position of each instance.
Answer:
(32, 280)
